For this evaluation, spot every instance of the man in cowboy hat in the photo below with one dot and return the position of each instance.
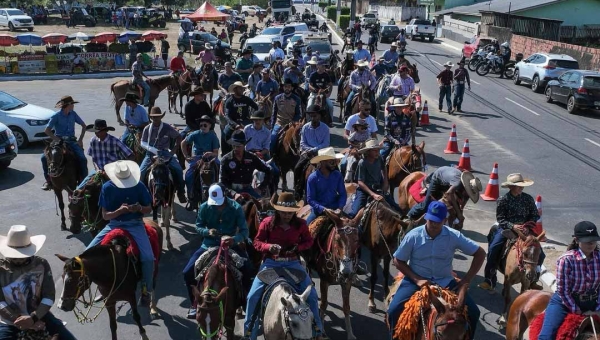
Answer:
(380, 68)
(461, 75)
(137, 71)
(254, 78)
(157, 138)
(444, 80)
(400, 126)
(311, 67)
(515, 210)
(237, 168)
(390, 56)
(361, 54)
(237, 112)
(293, 73)
(258, 138)
(308, 54)
(286, 109)
(136, 116)
(244, 65)
(206, 56)
(61, 126)
(124, 201)
(325, 187)
(359, 78)
(196, 109)
(276, 52)
(30, 308)
(321, 83)
(452, 181)
(402, 83)
(266, 86)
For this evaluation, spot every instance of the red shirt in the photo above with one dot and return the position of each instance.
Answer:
(287, 239)
(177, 64)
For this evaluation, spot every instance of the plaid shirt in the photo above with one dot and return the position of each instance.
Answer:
(575, 274)
(109, 150)
(358, 79)
(511, 210)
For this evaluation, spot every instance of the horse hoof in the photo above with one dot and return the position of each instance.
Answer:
(372, 309)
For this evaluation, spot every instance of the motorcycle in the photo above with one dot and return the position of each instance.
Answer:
(372, 44)
(491, 63)
(349, 44)
(476, 59)
(243, 39)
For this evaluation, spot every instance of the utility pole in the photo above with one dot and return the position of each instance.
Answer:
(352, 12)
(339, 12)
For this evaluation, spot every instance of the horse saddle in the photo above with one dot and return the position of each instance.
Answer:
(124, 239)
(573, 326)
(136, 88)
(415, 190)
(291, 275)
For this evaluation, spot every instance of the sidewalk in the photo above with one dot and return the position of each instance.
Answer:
(63, 76)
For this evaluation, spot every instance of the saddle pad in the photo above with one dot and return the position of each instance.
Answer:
(567, 330)
(270, 275)
(132, 248)
(415, 191)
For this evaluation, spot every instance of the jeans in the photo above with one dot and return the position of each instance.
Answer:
(344, 164)
(274, 132)
(78, 152)
(311, 101)
(445, 91)
(173, 164)
(146, 88)
(256, 293)
(405, 292)
(189, 175)
(351, 95)
(556, 312)
(311, 217)
(138, 232)
(459, 93)
(86, 179)
(386, 149)
(433, 192)
(53, 326)
(360, 201)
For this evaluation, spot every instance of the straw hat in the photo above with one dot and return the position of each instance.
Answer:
(17, 244)
(64, 101)
(286, 202)
(516, 180)
(394, 44)
(124, 174)
(398, 102)
(235, 85)
(370, 144)
(362, 63)
(156, 112)
(326, 154)
(313, 61)
(208, 46)
(471, 184)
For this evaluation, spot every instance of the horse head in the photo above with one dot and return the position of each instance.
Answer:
(414, 73)
(451, 321)
(296, 315)
(76, 282)
(528, 253)
(587, 331)
(210, 309)
(56, 154)
(345, 246)
(77, 207)
(160, 184)
(415, 100)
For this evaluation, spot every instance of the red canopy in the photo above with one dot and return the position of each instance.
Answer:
(207, 12)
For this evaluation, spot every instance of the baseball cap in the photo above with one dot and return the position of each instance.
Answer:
(586, 231)
(215, 195)
(437, 212)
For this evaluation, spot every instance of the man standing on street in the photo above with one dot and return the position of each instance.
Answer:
(461, 75)
(164, 50)
(444, 80)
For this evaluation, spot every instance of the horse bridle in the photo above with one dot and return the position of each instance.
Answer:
(302, 314)
(54, 170)
(331, 259)
(212, 293)
(159, 183)
(520, 255)
(74, 199)
(436, 334)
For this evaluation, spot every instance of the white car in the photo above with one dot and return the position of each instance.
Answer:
(27, 121)
(15, 19)
(290, 44)
(260, 47)
(252, 10)
(8, 146)
(540, 68)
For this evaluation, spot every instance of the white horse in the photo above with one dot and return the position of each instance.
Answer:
(381, 92)
(288, 313)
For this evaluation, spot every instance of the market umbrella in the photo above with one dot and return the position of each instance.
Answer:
(153, 35)
(128, 35)
(80, 36)
(105, 37)
(30, 39)
(8, 40)
(54, 38)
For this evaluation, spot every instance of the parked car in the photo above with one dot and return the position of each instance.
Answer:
(27, 121)
(420, 28)
(318, 42)
(8, 146)
(252, 10)
(80, 16)
(540, 68)
(369, 19)
(15, 19)
(198, 40)
(388, 33)
(579, 89)
(473, 45)
(283, 33)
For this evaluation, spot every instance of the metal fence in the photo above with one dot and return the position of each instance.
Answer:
(530, 27)
(584, 34)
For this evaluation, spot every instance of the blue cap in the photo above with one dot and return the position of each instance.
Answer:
(436, 212)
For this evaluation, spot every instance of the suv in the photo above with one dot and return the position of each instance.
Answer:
(318, 42)
(369, 19)
(283, 33)
(198, 39)
(8, 146)
(389, 33)
(540, 68)
(252, 10)
(15, 19)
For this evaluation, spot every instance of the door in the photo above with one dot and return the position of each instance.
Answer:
(573, 85)
(286, 33)
(538, 65)
(3, 18)
(560, 91)
(525, 70)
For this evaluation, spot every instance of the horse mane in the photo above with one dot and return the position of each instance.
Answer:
(95, 251)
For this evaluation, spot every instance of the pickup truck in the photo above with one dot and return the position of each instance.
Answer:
(369, 19)
(420, 28)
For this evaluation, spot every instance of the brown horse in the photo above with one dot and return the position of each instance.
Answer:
(364, 92)
(134, 143)
(84, 208)
(162, 190)
(208, 82)
(114, 272)
(287, 151)
(265, 104)
(326, 117)
(206, 173)
(157, 85)
(64, 174)
(255, 210)
(334, 256)
(277, 71)
(183, 88)
(403, 161)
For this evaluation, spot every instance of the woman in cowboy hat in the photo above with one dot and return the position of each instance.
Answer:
(400, 126)
(21, 270)
(281, 238)
(237, 112)
(325, 187)
(136, 116)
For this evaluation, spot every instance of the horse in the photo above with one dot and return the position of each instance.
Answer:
(134, 143)
(334, 256)
(364, 92)
(255, 210)
(183, 88)
(162, 190)
(265, 103)
(208, 82)
(84, 208)
(205, 174)
(277, 71)
(287, 313)
(381, 92)
(108, 266)
(63, 172)
(287, 151)
(121, 87)
(327, 117)
(403, 161)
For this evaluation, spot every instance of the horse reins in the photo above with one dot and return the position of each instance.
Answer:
(380, 230)
(302, 314)
(212, 292)
(57, 171)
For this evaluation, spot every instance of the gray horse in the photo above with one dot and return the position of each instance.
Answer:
(288, 313)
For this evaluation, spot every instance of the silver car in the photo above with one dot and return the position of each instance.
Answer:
(540, 68)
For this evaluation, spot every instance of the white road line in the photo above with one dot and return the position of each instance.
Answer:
(436, 62)
(452, 47)
(591, 141)
(514, 102)
(473, 81)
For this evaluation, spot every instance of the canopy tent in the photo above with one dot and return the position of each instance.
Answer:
(207, 12)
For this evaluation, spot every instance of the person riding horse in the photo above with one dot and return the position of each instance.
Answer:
(254, 78)
(425, 258)
(61, 126)
(320, 83)
(391, 57)
(293, 73)
(359, 78)
(325, 187)
(281, 238)
(137, 71)
(124, 201)
(402, 84)
(380, 69)
(400, 126)
(267, 86)
(237, 113)
(217, 217)
(195, 109)
(515, 210)
(286, 109)
(136, 116)
(346, 69)
(258, 138)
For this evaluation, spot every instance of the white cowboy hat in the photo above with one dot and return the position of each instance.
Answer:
(124, 174)
(18, 244)
(516, 180)
(326, 154)
(471, 184)
(448, 64)
(313, 61)
(370, 144)
(234, 85)
(208, 46)
(398, 102)
(362, 63)
(394, 44)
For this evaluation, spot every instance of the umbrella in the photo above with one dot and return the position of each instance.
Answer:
(105, 37)
(8, 40)
(153, 35)
(30, 39)
(80, 36)
(128, 35)
(54, 38)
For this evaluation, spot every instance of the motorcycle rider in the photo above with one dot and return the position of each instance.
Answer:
(220, 52)
(373, 35)
(505, 54)
(402, 38)
(320, 82)
(391, 57)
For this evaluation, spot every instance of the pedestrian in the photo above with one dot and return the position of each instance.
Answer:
(444, 80)
(461, 75)
(164, 50)
(133, 50)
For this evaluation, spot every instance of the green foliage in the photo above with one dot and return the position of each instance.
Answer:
(344, 21)
(345, 11)
(323, 4)
(331, 12)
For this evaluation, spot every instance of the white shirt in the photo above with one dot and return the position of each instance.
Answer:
(370, 121)
(275, 53)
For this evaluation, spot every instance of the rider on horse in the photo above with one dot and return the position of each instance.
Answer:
(400, 126)
(516, 210)
(267, 86)
(258, 138)
(254, 78)
(124, 201)
(425, 257)
(287, 108)
(156, 139)
(281, 238)
(356, 141)
(380, 69)
(391, 57)
(361, 54)
(225, 80)
(177, 66)
(245, 65)
(237, 112)
(276, 52)
(325, 187)
(359, 78)
(196, 109)
(137, 71)
(62, 127)
(217, 217)
(311, 67)
(136, 116)
(293, 73)
(345, 70)
(321, 83)
(402, 84)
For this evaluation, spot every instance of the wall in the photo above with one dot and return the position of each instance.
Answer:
(589, 58)
(501, 33)
(572, 12)
(398, 13)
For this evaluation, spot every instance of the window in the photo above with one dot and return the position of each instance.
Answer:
(14, 12)
(280, 4)
(531, 58)
(272, 31)
(569, 64)
(591, 82)
(259, 47)
(565, 77)
(540, 60)
(8, 102)
(288, 30)
(422, 22)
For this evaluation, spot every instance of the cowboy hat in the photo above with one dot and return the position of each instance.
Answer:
(394, 44)
(238, 138)
(471, 184)
(285, 202)
(398, 102)
(326, 154)
(99, 125)
(247, 51)
(361, 122)
(156, 112)
(234, 85)
(313, 109)
(64, 101)
(313, 61)
(205, 118)
(516, 180)
(362, 63)
(370, 144)
(131, 97)
(197, 90)
(17, 244)
(208, 46)
(448, 64)
(258, 115)
(124, 174)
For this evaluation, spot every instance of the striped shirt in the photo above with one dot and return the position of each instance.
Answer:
(358, 79)
(109, 150)
(402, 86)
(577, 274)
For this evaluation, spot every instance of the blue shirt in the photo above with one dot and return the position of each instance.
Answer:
(226, 221)
(136, 117)
(225, 81)
(292, 73)
(391, 57)
(361, 54)
(380, 70)
(314, 139)
(112, 197)
(257, 139)
(64, 125)
(432, 258)
(202, 142)
(325, 192)
(265, 88)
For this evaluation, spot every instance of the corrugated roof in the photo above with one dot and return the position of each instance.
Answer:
(498, 6)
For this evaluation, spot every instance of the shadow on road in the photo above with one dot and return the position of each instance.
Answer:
(12, 178)
(33, 148)
(479, 115)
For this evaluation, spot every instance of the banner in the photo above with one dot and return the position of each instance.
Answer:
(94, 61)
(31, 63)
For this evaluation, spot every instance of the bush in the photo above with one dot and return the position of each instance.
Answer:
(323, 4)
(344, 21)
(331, 12)
(345, 11)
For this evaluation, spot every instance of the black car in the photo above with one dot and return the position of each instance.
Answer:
(198, 39)
(579, 89)
(8, 147)
(389, 33)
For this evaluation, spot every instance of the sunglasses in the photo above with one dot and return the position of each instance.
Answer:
(204, 125)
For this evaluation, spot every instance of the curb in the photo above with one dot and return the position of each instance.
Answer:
(106, 75)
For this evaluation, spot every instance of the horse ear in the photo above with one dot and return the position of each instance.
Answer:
(439, 305)
(284, 302)
(422, 145)
(62, 257)
(306, 293)
(222, 294)
(336, 220)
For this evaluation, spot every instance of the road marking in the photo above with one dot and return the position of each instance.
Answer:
(452, 47)
(591, 141)
(514, 102)
(436, 62)
(473, 81)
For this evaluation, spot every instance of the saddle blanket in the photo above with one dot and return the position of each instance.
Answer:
(203, 263)
(567, 331)
(415, 191)
(132, 248)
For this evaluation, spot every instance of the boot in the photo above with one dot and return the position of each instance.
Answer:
(47, 186)
(535, 285)
(181, 197)
(487, 285)
(144, 298)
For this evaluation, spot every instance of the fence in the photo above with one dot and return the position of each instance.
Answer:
(580, 35)
(398, 13)
(526, 26)
(464, 26)
(588, 58)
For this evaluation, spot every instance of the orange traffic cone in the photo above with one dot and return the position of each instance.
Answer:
(465, 158)
(452, 146)
(492, 191)
(424, 115)
(538, 225)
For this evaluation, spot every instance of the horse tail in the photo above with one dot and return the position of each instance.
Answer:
(112, 92)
